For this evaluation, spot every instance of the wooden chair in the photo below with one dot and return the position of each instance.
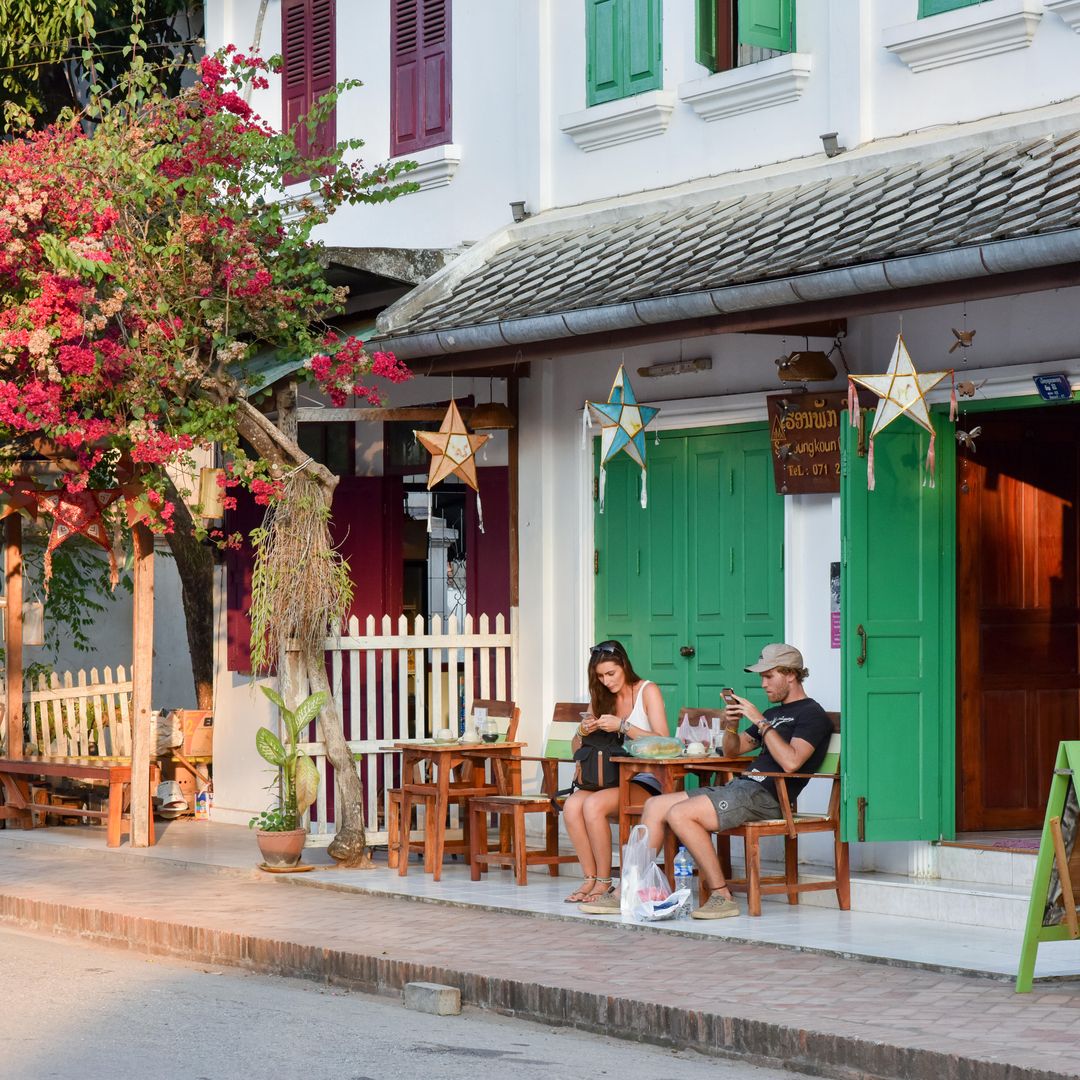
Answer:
(497, 710)
(791, 826)
(515, 854)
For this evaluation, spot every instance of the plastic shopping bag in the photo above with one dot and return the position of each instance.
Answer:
(655, 910)
(694, 731)
(641, 880)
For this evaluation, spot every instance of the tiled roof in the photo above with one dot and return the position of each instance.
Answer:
(709, 240)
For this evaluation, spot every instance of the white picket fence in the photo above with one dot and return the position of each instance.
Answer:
(81, 714)
(400, 686)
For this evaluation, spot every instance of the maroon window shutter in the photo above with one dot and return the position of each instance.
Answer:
(239, 566)
(295, 67)
(323, 69)
(420, 64)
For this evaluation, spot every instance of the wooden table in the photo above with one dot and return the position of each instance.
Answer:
(505, 760)
(116, 773)
(671, 774)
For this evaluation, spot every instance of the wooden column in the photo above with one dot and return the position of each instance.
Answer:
(512, 444)
(13, 650)
(142, 674)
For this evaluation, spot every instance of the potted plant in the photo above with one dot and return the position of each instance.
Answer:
(280, 834)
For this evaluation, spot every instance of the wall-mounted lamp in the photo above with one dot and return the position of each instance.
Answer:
(832, 146)
(518, 211)
(676, 367)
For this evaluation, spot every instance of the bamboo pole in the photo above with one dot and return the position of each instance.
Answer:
(13, 571)
(142, 673)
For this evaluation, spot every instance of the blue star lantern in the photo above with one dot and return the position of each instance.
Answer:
(622, 427)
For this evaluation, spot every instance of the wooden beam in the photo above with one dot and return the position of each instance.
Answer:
(773, 319)
(287, 414)
(142, 677)
(495, 417)
(13, 636)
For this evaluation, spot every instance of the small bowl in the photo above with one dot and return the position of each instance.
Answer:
(696, 749)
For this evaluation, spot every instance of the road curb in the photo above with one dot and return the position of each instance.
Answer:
(709, 1032)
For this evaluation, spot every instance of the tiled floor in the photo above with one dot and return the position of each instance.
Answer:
(824, 930)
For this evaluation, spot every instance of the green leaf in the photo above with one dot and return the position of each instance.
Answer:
(275, 697)
(269, 747)
(310, 708)
(307, 783)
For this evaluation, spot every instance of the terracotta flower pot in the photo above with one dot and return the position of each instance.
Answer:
(281, 848)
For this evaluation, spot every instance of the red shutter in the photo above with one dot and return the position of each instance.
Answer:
(308, 70)
(295, 65)
(420, 65)
(323, 69)
(239, 565)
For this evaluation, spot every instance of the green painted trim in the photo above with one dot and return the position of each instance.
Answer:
(1027, 401)
(927, 8)
(947, 632)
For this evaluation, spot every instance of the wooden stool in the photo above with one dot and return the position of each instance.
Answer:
(518, 857)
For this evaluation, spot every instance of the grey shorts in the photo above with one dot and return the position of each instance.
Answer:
(741, 801)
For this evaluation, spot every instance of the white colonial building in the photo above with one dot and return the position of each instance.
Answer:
(713, 185)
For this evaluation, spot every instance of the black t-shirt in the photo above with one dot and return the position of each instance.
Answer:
(802, 719)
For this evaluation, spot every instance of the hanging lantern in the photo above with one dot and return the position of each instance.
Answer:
(33, 623)
(211, 493)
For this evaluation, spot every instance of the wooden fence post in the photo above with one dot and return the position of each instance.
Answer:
(142, 676)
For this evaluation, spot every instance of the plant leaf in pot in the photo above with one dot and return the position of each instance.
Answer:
(280, 833)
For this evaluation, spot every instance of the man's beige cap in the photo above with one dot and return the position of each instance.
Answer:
(777, 655)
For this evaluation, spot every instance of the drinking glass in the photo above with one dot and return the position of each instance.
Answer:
(489, 730)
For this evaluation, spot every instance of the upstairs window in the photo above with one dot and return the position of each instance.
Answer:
(308, 70)
(732, 33)
(623, 40)
(420, 75)
(936, 7)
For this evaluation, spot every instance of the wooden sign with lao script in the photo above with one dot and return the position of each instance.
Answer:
(804, 429)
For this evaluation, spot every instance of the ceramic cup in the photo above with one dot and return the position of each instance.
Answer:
(444, 735)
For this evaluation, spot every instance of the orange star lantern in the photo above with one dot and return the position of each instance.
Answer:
(453, 453)
(78, 513)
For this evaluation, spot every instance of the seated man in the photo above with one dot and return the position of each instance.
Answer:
(794, 737)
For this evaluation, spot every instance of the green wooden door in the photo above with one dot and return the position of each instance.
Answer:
(701, 567)
(898, 586)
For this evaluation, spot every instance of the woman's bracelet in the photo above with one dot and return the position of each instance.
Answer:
(581, 731)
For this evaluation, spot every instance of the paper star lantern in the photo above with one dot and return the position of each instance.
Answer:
(78, 513)
(902, 391)
(622, 428)
(453, 453)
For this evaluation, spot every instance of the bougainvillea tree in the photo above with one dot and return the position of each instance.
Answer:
(141, 268)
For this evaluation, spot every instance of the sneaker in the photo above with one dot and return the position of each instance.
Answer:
(716, 907)
(607, 904)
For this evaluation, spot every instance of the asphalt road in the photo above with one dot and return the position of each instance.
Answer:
(76, 1011)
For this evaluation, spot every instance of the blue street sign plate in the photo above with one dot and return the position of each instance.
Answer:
(1053, 387)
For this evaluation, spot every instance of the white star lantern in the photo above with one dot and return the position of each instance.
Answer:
(622, 427)
(902, 391)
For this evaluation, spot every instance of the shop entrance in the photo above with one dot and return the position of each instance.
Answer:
(1018, 611)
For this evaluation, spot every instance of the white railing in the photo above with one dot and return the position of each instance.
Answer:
(400, 685)
(81, 716)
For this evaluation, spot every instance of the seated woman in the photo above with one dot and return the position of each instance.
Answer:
(628, 707)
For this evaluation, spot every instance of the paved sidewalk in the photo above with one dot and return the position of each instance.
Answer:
(838, 1017)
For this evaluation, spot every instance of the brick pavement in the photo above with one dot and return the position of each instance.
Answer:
(843, 1018)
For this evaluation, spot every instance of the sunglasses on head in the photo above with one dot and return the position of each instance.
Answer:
(605, 648)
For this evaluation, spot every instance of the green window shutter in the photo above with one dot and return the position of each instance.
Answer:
(644, 19)
(768, 24)
(936, 7)
(707, 34)
(604, 32)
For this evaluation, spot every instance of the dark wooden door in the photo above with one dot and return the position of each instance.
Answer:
(1019, 675)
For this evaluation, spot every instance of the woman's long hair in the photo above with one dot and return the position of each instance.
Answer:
(602, 700)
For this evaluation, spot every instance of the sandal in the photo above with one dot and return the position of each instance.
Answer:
(582, 893)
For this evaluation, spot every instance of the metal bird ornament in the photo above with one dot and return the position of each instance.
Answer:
(963, 339)
(969, 388)
(967, 438)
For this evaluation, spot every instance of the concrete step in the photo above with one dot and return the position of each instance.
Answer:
(992, 866)
(943, 901)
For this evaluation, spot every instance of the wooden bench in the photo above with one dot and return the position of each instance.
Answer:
(18, 805)
(80, 725)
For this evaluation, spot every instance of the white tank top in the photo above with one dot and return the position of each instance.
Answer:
(638, 716)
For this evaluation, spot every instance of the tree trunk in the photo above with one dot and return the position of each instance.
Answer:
(195, 565)
(349, 846)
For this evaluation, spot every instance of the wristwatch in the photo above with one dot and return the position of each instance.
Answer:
(624, 727)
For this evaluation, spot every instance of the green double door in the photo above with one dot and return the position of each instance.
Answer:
(693, 585)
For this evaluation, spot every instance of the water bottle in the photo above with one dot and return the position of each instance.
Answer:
(684, 878)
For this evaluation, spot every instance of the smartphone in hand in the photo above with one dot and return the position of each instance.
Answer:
(729, 696)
